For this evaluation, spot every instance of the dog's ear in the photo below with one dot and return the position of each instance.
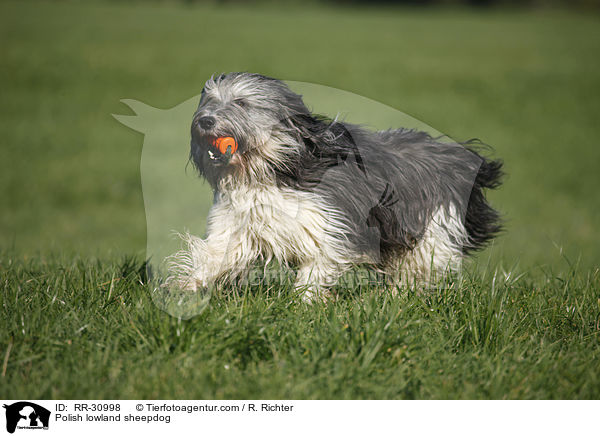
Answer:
(326, 138)
(309, 129)
(301, 124)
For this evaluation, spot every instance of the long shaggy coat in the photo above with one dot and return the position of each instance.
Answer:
(324, 195)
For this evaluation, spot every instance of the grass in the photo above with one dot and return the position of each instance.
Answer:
(88, 329)
(76, 321)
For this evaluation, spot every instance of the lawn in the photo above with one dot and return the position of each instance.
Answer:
(522, 323)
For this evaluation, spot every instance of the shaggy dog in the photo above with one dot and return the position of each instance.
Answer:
(324, 195)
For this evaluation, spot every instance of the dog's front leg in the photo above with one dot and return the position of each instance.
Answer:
(314, 279)
(204, 261)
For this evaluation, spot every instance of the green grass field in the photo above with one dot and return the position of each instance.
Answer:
(77, 321)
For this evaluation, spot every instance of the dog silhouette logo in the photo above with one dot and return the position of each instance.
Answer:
(26, 415)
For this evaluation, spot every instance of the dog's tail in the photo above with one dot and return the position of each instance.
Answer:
(482, 222)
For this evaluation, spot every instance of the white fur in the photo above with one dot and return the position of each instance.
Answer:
(251, 223)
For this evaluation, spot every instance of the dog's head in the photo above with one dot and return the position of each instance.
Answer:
(260, 115)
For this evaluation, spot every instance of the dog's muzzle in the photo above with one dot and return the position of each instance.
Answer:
(220, 148)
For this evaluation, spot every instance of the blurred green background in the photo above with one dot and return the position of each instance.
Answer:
(525, 81)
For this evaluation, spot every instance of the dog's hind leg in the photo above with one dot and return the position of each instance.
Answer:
(439, 252)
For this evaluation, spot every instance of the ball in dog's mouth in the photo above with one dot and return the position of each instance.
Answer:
(226, 145)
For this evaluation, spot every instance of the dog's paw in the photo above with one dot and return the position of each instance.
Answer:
(311, 295)
(187, 283)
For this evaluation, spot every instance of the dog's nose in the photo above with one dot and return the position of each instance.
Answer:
(206, 122)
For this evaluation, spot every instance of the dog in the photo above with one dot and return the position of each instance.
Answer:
(324, 195)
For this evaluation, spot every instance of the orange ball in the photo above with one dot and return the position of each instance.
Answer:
(224, 142)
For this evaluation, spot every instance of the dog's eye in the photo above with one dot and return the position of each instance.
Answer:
(240, 102)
